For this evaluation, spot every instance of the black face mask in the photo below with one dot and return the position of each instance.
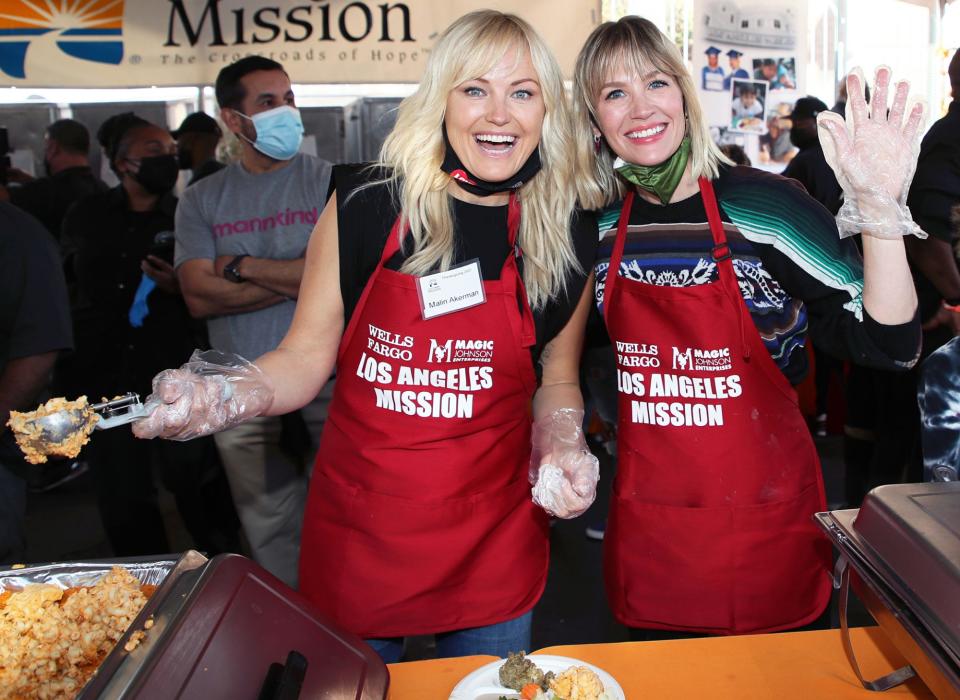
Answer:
(803, 138)
(158, 174)
(185, 159)
(453, 166)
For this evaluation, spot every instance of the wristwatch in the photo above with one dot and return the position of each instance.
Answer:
(231, 270)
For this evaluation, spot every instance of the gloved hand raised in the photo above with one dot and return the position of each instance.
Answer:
(563, 472)
(211, 392)
(874, 156)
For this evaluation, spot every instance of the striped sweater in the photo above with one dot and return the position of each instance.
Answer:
(795, 274)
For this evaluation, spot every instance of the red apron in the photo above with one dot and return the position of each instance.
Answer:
(710, 524)
(419, 517)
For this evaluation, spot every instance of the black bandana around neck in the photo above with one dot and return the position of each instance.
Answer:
(482, 188)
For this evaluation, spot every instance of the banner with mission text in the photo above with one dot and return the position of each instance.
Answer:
(135, 43)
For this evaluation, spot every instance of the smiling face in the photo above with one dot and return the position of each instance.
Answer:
(641, 118)
(494, 121)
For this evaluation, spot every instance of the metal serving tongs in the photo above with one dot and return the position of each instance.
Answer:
(53, 429)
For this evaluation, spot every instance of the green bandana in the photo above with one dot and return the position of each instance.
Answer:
(661, 179)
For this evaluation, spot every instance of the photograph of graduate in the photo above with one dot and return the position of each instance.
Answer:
(712, 76)
(779, 73)
(736, 70)
(747, 98)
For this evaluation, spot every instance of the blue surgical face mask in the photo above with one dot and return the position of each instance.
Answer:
(279, 132)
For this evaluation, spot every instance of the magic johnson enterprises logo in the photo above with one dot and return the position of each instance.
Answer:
(90, 30)
(651, 393)
(460, 350)
(702, 360)
(422, 391)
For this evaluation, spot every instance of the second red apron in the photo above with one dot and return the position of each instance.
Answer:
(419, 517)
(717, 476)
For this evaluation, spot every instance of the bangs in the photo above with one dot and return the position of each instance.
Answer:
(484, 51)
(626, 47)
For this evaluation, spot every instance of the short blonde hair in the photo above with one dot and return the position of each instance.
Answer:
(636, 44)
(469, 48)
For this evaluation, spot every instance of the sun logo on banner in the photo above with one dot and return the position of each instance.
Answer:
(86, 29)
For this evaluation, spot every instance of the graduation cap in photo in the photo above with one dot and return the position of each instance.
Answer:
(733, 53)
(712, 51)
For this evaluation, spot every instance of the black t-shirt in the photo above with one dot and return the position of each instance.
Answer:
(934, 193)
(48, 198)
(365, 217)
(208, 168)
(935, 189)
(810, 167)
(34, 313)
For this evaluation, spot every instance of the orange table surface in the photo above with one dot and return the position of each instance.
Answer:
(801, 665)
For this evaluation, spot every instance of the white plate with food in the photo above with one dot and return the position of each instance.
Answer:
(554, 674)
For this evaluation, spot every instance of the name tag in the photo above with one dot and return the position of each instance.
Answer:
(452, 290)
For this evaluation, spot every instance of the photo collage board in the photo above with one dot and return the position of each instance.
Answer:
(748, 59)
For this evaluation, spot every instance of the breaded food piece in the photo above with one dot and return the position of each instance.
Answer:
(577, 683)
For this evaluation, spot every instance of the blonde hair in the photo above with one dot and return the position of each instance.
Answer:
(469, 48)
(635, 44)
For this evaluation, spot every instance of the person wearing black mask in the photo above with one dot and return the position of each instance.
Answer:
(809, 166)
(197, 140)
(130, 321)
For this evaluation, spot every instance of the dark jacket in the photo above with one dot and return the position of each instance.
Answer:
(936, 184)
(104, 243)
(810, 167)
(49, 198)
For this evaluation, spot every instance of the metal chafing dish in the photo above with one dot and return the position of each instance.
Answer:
(221, 628)
(901, 554)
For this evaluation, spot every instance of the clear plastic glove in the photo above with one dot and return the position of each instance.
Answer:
(211, 392)
(874, 156)
(563, 472)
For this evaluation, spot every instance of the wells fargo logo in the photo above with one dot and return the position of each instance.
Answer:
(86, 29)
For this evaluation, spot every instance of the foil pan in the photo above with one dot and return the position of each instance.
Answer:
(163, 571)
(150, 571)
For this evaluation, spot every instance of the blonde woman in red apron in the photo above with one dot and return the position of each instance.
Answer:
(448, 286)
(708, 277)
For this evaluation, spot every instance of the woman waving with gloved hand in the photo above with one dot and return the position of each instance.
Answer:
(708, 277)
(438, 281)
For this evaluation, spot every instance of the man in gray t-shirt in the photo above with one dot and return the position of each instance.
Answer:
(265, 217)
(241, 239)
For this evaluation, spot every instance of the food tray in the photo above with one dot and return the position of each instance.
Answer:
(162, 571)
(118, 670)
(914, 531)
(150, 571)
(894, 608)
